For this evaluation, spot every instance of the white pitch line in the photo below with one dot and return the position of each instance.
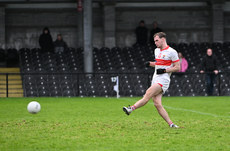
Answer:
(182, 109)
(194, 111)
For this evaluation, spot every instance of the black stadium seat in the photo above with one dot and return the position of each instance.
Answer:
(128, 62)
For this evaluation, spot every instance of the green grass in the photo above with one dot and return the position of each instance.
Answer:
(100, 124)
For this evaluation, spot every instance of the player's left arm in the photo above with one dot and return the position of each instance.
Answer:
(174, 68)
(175, 61)
(176, 64)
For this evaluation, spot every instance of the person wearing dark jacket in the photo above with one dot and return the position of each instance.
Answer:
(46, 41)
(59, 45)
(141, 34)
(209, 66)
(155, 29)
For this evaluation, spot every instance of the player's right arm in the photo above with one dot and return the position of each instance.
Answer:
(150, 64)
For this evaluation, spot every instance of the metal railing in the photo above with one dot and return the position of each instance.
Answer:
(101, 84)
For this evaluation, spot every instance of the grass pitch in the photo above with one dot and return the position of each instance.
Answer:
(100, 124)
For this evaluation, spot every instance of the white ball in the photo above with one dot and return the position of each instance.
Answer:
(33, 107)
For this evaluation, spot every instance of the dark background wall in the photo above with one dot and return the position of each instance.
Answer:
(187, 23)
(181, 24)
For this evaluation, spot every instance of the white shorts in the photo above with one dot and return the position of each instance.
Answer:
(163, 82)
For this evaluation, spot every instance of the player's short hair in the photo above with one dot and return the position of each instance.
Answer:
(160, 35)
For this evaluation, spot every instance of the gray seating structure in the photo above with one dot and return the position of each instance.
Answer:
(61, 75)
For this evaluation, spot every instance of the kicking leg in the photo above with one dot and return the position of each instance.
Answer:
(152, 91)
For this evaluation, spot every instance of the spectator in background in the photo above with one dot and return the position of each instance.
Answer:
(59, 45)
(155, 29)
(46, 41)
(141, 34)
(183, 63)
(209, 66)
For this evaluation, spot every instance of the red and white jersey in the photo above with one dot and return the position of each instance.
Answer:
(165, 59)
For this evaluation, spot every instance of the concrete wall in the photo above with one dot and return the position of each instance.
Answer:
(182, 24)
(227, 26)
(2, 27)
(24, 26)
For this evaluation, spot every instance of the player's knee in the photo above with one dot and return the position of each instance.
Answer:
(157, 105)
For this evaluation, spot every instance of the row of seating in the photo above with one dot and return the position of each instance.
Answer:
(127, 62)
(127, 59)
(129, 85)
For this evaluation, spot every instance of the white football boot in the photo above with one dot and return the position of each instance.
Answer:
(127, 110)
(174, 126)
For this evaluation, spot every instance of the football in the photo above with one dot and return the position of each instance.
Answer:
(33, 107)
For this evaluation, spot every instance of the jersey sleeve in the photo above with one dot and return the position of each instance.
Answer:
(155, 53)
(174, 56)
